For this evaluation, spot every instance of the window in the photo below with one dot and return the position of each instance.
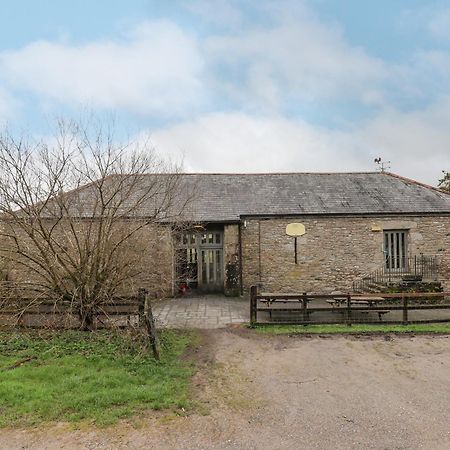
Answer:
(396, 249)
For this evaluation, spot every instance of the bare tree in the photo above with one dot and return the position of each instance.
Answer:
(74, 206)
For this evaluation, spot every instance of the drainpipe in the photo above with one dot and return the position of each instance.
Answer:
(259, 251)
(241, 284)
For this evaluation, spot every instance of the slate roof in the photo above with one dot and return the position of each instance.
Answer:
(227, 197)
(230, 197)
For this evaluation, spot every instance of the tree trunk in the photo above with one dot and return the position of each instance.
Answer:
(87, 318)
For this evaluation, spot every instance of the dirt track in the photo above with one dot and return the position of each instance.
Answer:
(290, 393)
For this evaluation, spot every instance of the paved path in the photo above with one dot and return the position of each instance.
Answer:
(203, 311)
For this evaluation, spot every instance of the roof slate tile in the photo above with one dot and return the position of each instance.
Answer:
(227, 197)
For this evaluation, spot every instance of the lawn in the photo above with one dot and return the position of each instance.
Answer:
(96, 377)
(354, 329)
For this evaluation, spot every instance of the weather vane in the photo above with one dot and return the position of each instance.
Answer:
(383, 166)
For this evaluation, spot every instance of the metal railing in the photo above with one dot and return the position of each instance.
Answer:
(398, 269)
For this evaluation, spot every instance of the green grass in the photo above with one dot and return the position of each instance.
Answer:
(354, 329)
(94, 377)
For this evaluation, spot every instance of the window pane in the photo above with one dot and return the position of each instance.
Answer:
(404, 255)
(185, 239)
(211, 265)
(210, 238)
(217, 238)
(204, 278)
(392, 250)
(192, 238)
(218, 265)
(203, 238)
(192, 255)
(395, 248)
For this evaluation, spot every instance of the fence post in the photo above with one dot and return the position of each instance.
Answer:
(405, 310)
(253, 311)
(305, 308)
(151, 328)
(141, 305)
(349, 309)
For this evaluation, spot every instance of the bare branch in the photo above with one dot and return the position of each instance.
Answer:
(73, 207)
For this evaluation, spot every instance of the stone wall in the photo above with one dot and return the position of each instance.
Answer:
(154, 261)
(150, 250)
(231, 259)
(334, 252)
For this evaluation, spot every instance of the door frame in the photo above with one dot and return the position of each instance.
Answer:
(203, 241)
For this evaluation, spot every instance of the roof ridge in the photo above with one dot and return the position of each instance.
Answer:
(418, 183)
(274, 173)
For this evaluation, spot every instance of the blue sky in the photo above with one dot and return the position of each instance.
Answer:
(232, 86)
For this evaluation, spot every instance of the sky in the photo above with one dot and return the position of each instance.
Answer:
(240, 86)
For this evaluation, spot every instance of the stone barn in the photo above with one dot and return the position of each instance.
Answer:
(296, 232)
(358, 231)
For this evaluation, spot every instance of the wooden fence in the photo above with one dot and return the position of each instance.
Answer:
(308, 309)
(39, 312)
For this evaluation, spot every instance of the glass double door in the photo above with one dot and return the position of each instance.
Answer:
(200, 260)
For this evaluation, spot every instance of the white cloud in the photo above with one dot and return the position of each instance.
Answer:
(431, 21)
(255, 72)
(439, 24)
(238, 142)
(416, 143)
(221, 13)
(159, 69)
(296, 58)
(156, 68)
(8, 106)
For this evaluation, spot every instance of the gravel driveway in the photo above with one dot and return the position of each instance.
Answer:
(259, 392)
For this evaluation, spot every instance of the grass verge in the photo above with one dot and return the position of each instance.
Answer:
(96, 377)
(354, 329)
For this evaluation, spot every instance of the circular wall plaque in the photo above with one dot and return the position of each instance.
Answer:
(295, 229)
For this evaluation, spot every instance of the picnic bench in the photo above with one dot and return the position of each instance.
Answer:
(297, 308)
(271, 298)
(339, 301)
(363, 304)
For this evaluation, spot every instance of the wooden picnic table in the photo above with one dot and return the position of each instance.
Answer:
(279, 297)
(337, 301)
(356, 300)
(359, 300)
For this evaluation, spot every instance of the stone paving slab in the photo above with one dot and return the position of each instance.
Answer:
(203, 311)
